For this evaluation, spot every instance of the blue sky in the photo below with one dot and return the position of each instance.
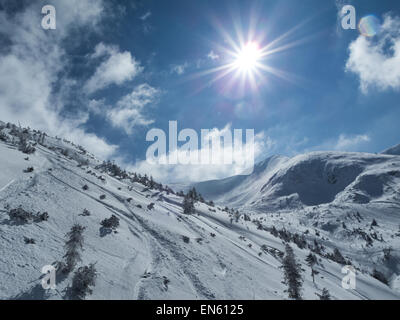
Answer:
(113, 70)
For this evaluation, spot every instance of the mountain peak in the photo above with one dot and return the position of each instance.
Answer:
(394, 151)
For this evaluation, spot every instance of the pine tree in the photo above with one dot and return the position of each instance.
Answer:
(292, 274)
(83, 279)
(73, 244)
(188, 205)
(312, 260)
(338, 257)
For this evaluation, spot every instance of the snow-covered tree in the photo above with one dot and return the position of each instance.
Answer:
(25, 146)
(73, 244)
(188, 205)
(292, 274)
(312, 260)
(84, 278)
(111, 223)
(325, 295)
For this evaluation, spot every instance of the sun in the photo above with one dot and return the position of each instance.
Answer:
(248, 57)
(245, 62)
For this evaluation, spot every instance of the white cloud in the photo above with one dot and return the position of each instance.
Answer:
(351, 143)
(344, 142)
(200, 172)
(117, 68)
(179, 68)
(129, 111)
(376, 61)
(145, 16)
(97, 107)
(30, 68)
(212, 55)
(78, 12)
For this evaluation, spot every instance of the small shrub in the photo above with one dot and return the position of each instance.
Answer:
(166, 281)
(85, 187)
(185, 239)
(19, 215)
(151, 206)
(85, 213)
(29, 240)
(111, 223)
(29, 170)
(102, 197)
(41, 217)
(325, 295)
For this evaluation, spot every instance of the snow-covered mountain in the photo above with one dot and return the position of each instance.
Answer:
(339, 193)
(157, 252)
(309, 180)
(395, 151)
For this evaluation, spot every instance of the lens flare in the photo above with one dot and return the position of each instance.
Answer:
(369, 26)
(245, 61)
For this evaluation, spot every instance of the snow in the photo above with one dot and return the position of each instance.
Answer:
(147, 258)
(337, 194)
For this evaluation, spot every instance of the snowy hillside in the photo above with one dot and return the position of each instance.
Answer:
(158, 252)
(338, 194)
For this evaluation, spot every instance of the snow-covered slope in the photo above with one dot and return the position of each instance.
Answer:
(237, 190)
(338, 194)
(157, 252)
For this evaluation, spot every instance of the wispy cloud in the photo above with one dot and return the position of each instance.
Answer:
(145, 16)
(179, 69)
(146, 25)
(212, 55)
(344, 142)
(351, 143)
(376, 61)
(117, 68)
(129, 111)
